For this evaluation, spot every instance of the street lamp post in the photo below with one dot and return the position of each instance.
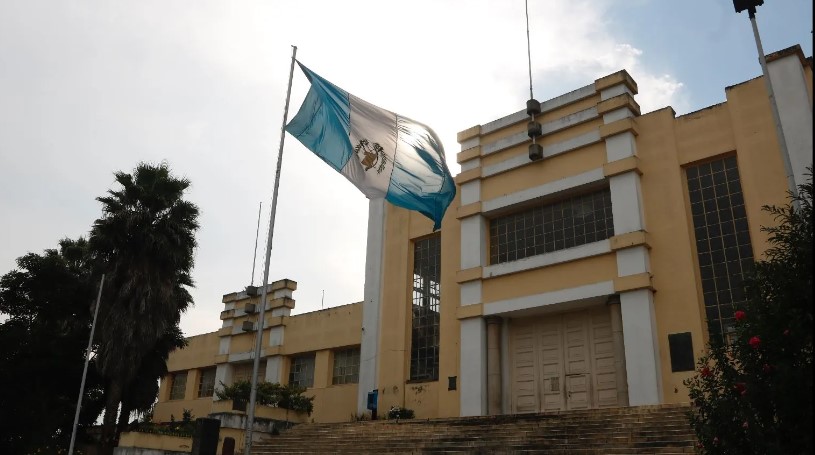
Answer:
(750, 7)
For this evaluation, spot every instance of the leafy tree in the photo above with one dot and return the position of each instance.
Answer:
(754, 395)
(49, 300)
(269, 394)
(146, 240)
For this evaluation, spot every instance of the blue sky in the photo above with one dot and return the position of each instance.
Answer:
(90, 88)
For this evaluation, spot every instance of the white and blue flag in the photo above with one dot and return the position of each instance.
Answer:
(381, 153)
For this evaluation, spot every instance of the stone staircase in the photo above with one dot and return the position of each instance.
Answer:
(662, 429)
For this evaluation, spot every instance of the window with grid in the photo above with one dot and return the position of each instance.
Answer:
(178, 386)
(723, 243)
(424, 344)
(206, 383)
(301, 372)
(243, 372)
(346, 366)
(564, 224)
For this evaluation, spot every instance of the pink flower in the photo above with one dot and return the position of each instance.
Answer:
(705, 372)
(786, 332)
(741, 315)
(716, 440)
(767, 368)
(699, 445)
(745, 425)
(755, 342)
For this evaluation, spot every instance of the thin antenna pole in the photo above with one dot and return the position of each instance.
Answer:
(528, 48)
(255, 256)
(322, 300)
(258, 339)
(85, 370)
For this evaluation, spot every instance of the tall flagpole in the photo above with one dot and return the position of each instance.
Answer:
(259, 330)
(85, 370)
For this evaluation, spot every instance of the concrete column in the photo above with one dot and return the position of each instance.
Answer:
(641, 347)
(369, 346)
(619, 349)
(473, 367)
(494, 404)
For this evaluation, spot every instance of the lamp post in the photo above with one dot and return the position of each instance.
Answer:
(750, 7)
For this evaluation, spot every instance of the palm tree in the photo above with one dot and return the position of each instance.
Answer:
(145, 239)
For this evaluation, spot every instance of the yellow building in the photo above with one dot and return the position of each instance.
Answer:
(592, 277)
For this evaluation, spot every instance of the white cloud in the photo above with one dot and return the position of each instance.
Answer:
(93, 89)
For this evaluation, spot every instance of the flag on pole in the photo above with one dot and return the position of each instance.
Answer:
(380, 152)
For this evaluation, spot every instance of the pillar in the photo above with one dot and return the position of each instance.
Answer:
(494, 404)
(619, 349)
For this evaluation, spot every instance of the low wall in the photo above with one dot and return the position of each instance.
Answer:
(135, 443)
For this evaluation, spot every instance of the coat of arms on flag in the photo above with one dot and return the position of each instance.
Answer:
(380, 152)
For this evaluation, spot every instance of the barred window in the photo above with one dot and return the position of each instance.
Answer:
(346, 366)
(564, 224)
(206, 383)
(723, 244)
(301, 372)
(424, 346)
(178, 386)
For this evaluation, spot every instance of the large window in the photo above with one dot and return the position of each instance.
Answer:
(346, 366)
(424, 346)
(301, 372)
(722, 239)
(206, 383)
(178, 386)
(564, 224)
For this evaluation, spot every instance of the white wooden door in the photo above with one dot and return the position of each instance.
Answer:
(524, 369)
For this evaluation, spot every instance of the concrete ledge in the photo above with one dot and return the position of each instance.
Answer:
(225, 331)
(620, 77)
(468, 210)
(468, 154)
(222, 358)
(467, 176)
(284, 284)
(227, 314)
(619, 127)
(274, 321)
(272, 350)
(468, 133)
(617, 102)
(469, 311)
(630, 239)
(281, 302)
(633, 282)
(631, 163)
(471, 274)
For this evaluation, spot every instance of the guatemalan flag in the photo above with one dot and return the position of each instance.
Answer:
(382, 153)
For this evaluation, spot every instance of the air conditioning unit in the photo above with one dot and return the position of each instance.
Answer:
(252, 291)
(249, 308)
(248, 326)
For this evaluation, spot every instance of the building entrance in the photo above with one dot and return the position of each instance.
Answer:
(563, 361)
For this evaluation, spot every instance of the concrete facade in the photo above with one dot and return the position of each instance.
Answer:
(574, 325)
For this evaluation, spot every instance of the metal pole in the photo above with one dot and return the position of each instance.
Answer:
(779, 132)
(85, 370)
(259, 337)
(255, 256)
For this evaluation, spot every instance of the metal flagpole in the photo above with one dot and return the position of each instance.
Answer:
(259, 337)
(85, 370)
(255, 256)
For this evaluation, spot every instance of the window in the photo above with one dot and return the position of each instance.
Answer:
(424, 346)
(178, 386)
(346, 366)
(564, 224)
(723, 245)
(243, 372)
(206, 383)
(302, 371)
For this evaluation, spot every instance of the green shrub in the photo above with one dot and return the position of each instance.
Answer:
(395, 412)
(269, 394)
